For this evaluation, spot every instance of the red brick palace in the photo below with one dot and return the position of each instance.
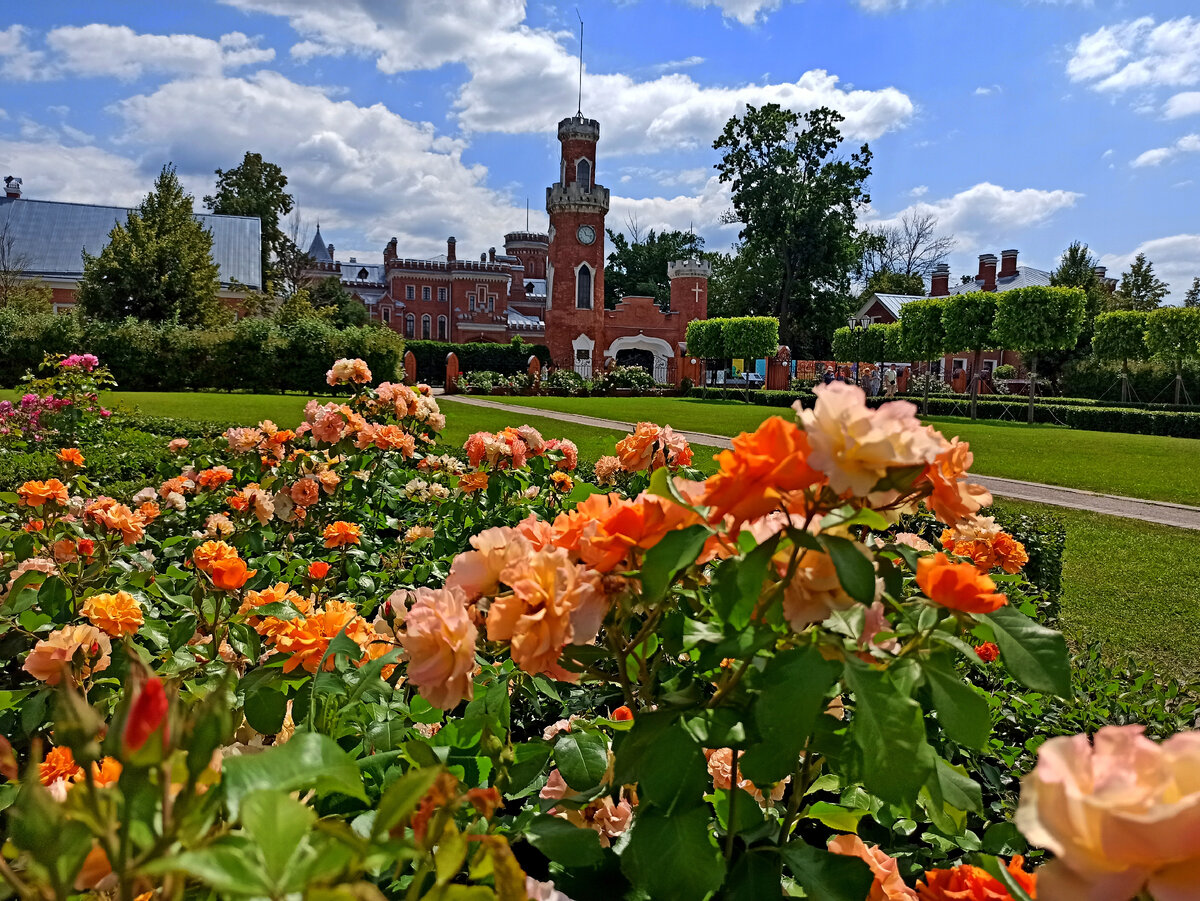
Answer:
(544, 288)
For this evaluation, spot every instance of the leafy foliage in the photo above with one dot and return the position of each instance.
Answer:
(1121, 336)
(637, 265)
(1173, 334)
(968, 320)
(1037, 318)
(922, 328)
(256, 188)
(1140, 289)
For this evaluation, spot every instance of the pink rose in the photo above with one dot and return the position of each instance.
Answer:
(1121, 815)
(439, 638)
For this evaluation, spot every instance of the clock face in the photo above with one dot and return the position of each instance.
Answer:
(586, 234)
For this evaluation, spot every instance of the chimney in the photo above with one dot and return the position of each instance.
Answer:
(1008, 264)
(331, 252)
(12, 186)
(491, 254)
(939, 282)
(450, 257)
(1101, 272)
(986, 279)
(389, 252)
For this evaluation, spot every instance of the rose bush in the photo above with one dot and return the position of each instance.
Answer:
(336, 660)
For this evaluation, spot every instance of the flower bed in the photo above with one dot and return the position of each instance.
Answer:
(330, 660)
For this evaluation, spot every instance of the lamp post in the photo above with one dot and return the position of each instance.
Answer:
(857, 327)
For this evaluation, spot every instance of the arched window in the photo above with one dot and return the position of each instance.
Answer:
(529, 287)
(387, 315)
(583, 175)
(410, 326)
(583, 288)
(443, 325)
(426, 326)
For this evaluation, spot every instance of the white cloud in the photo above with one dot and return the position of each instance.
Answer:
(748, 12)
(52, 171)
(919, 191)
(523, 79)
(120, 52)
(984, 91)
(700, 211)
(1138, 53)
(1186, 103)
(987, 214)
(671, 65)
(17, 61)
(1106, 154)
(364, 170)
(1176, 261)
(1159, 155)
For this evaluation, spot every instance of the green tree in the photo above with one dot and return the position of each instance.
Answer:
(256, 188)
(1120, 335)
(968, 320)
(1035, 320)
(1173, 335)
(1140, 288)
(158, 266)
(328, 293)
(637, 264)
(1192, 297)
(885, 282)
(743, 283)
(1076, 269)
(798, 202)
(922, 334)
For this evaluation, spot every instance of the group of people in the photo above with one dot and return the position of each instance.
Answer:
(874, 383)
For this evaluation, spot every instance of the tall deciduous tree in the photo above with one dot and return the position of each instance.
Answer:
(1192, 297)
(637, 264)
(911, 247)
(744, 283)
(256, 188)
(1037, 319)
(158, 266)
(1173, 335)
(885, 282)
(798, 202)
(1140, 288)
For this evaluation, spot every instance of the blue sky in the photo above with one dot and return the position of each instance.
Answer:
(1019, 123)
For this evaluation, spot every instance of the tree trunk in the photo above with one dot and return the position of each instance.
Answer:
(1124, 381)
(1032, 385)
(1178, 380)
(928, 378)
(975, 381)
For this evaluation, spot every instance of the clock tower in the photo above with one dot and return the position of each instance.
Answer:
(575, 273)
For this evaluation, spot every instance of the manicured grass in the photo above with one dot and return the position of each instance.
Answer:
(1145, 466)
(284, 409)
(1131, 586)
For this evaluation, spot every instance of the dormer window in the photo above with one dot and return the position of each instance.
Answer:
(583, 175)
(363, 274)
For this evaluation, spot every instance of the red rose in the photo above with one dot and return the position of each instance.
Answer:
(318, 570)
(622, 714)
(988, 652)
(146, 715)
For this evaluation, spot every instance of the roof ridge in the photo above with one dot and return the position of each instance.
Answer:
(109, 206)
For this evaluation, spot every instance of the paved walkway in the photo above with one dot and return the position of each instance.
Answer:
(1178, 515)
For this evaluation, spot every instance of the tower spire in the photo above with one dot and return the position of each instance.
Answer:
(579, 110)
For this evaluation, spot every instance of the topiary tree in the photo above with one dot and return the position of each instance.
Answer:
(706, 339)
(922, 334)
(969, 320)
(845, 345)
(1121, 335)
(1173, 335)
(750, 337)
(1037, 319)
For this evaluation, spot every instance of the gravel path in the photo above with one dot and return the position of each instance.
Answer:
(1178, 515)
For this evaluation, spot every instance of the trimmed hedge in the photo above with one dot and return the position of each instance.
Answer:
(1090, 418)
(258, 355)
(506, 359)
(1092, 378)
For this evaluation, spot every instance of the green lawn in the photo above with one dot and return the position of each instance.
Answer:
(1131, 586)
(1145, 466)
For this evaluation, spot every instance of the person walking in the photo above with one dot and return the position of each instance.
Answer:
(889, 381)
(873, 383)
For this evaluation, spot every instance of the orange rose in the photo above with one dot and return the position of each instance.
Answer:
(149, 512)
(215, 477)
(60, 648)
(36, 494)
(761, 470)
(888, 885)
(967, 883)
(439, 640)
(71, 456)
(640, 523)
(318, 570)
(115, 614)
(980, 539)
(340, 534)
(959, 586)
(119, 518)
(106, 772)
(952, 498)
(59, 763)
(207, 555)
(307, 639)
(305, 493)
(470, 482)
(231, 574)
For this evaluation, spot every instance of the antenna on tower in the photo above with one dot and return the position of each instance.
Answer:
(579, 111)
(526, 213)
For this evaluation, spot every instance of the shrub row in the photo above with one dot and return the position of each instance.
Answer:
(505, 359)
(1094, 418)
(1091, 378)
(259, 355)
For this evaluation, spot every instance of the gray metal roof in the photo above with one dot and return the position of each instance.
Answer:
(52, 237)
(318, 249)
(1026, 277)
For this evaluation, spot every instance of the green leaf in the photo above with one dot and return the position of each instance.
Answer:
(663, 485)
(402, 798)
(673, 855)
(672, 772)
(674, 553)
(826, 876)
(266, 709)
(582, 758)
(841, 819)
(1001, 873)
(1036, 656)
(792, 696)
(962, 710)
(751, 572)
(563, 842)
(225, 866)
(755, 876)
(855, 571)
(308, 761)
(889, 728)
(278, 824)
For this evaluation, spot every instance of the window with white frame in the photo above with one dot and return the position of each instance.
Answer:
(426, 326)
(583, 175)
(583, 288)
(443, 328)
(426, 292)
(410, 292)
(410, 326)
(442, 294)
(471, 302)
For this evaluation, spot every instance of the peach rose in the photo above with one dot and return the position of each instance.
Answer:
(305, 493)
(815, 591)
(720, 767)
(178, 445)
(345, 371)
(477, 573)
(1121, 814)
(554, 603)
(952, 498)
(114, 614)
(60, 648)
(36, 494)
(888, 886)
(856, 446)
(606, 470)
(439, 639)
